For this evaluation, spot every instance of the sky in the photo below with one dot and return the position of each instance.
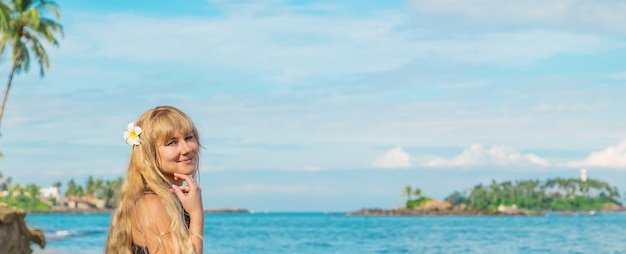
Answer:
(331, 105)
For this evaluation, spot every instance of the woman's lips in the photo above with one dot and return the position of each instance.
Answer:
(186, 161)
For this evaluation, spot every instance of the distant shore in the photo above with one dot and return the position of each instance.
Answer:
(227, 210)
(59, 210)
(402, 211)
(442, 208)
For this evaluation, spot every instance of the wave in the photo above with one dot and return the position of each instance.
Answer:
(64, 234)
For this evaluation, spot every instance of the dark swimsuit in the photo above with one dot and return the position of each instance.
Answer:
(144, 250)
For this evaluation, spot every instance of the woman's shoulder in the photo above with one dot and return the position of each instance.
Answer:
(152, 205)
(150, 213)
(151, 200)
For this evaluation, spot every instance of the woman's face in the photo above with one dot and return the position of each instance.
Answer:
(179, 154)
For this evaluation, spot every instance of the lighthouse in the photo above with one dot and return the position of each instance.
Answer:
(583, 175)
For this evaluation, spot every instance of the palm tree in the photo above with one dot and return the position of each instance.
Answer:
(57, 184)
(407, 191)
(33, 190)
(94, 186)
(3, 185)
(23, 33)
(71, 189)
(8, 184)
(418, 193)
(111, 191)
(90, 187)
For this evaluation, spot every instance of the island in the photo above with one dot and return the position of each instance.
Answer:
(564, 196)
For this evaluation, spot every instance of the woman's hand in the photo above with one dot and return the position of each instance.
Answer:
(190, 196)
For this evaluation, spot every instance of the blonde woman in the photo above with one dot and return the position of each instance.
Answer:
(157, 213)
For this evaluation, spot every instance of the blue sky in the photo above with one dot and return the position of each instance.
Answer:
(326, 106)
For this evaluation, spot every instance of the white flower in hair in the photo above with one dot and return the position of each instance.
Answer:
(131, 134)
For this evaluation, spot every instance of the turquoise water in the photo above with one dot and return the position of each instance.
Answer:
(336, 233)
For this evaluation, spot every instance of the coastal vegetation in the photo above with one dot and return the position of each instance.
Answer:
(408, 192)
(31, 198)
(558, 194)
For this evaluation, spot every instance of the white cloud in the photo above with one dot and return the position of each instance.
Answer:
(618, 75)
(394, 158)
(285, 46)
(573, 14)
(477, 155)
(610, 157)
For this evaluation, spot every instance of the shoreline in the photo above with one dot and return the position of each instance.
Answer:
(112, 210)
(443, 208)
(458, 212)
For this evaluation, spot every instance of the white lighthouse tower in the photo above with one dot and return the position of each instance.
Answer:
(583, 175)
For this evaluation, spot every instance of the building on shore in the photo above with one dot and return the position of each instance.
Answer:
(50, 192)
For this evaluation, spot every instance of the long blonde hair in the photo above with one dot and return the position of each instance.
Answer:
(144, 174)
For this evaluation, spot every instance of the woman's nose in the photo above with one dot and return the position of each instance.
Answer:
(184, 147)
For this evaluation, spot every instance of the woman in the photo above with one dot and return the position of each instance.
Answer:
(156, 212)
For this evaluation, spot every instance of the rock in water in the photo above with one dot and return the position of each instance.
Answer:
(15, 237)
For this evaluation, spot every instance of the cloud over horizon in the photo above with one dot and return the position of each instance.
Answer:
(580, 15)
(610, 157)
(477, 155)
(394, 158)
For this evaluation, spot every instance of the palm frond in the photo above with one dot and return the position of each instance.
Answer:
(47, 32)
(42, 56)
(22, 5)
(21, 57)
(32, 17)
(5, 16)
(55, 25)
(49, 6)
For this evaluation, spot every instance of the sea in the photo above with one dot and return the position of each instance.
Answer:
(334, 232)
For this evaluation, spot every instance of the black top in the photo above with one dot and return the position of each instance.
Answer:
(144, 250)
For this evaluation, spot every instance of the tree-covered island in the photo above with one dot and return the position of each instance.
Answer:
(557, 194)
(522, 197)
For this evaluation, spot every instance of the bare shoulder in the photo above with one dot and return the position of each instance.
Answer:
(151, 206)
(150, 215)
(152, 202)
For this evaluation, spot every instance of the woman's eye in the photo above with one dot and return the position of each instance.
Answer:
(190, 137)
(171, 143)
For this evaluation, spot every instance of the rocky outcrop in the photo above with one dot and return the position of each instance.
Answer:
(15, 237)
(612, 207)
(435, 207)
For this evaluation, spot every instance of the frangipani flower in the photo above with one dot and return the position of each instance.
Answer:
(131, 134)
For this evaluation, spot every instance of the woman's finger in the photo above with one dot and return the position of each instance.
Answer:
(178, 191)
(190, 181)
(185, 189)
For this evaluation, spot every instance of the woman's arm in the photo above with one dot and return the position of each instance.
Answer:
(190, 197)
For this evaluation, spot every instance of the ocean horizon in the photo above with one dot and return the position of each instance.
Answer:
(334, 232)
